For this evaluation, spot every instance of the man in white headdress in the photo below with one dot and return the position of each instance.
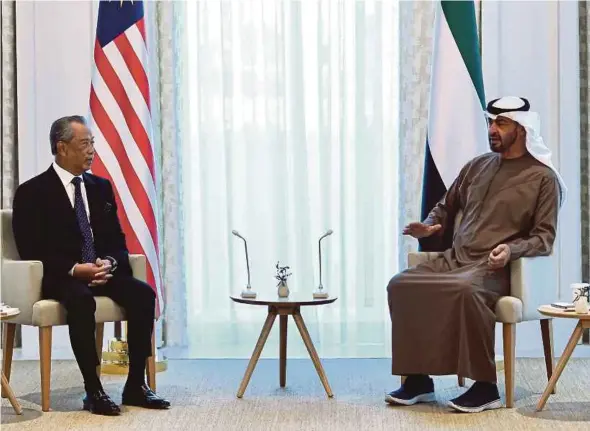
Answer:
(442, 311)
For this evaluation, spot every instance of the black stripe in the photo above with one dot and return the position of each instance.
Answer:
(433, 189)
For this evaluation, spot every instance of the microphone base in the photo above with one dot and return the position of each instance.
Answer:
(320, 294)
(248, 294)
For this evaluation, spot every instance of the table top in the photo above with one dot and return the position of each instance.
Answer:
(294, 299)
(548, 310)
(9, 315)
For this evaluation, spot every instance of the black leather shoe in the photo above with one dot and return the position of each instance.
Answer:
(99, 403)
(143, 396)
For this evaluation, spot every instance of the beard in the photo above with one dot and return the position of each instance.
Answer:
(499, 144)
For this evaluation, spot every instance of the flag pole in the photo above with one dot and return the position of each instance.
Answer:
(479, 27)
(499, 359)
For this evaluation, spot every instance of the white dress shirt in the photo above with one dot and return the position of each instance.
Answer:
(66, 179)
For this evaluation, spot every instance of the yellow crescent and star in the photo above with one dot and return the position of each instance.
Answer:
(123, 1)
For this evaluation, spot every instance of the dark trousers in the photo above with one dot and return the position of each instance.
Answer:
(136, 297)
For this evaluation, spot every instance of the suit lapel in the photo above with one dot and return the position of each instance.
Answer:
(62, 201)
(93, 195)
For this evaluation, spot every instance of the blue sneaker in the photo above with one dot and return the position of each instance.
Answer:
(416, 389)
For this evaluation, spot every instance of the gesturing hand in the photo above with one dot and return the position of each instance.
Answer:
(421, 230)
(499, 257)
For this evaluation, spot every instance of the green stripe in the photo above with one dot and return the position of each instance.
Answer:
(460, 16)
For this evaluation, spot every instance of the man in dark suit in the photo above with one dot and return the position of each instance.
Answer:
(67, 219)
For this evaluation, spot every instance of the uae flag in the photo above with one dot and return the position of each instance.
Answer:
(457, 127)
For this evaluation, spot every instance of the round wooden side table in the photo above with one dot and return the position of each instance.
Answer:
(583, 323)
(6, 389)
(284, 307)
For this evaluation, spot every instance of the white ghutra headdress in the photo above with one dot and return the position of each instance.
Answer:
(518, 109)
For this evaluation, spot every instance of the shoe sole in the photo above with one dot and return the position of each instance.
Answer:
(489, 406)
(423, 398)
(145, 406)
(87, 407)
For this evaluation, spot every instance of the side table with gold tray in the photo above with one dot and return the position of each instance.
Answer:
(583, 323)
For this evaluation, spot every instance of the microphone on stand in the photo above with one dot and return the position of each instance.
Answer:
(248, 293)
(320, 293)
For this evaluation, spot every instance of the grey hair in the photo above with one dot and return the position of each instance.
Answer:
(61, 130)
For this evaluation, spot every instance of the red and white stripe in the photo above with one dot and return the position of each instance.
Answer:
(120, 119)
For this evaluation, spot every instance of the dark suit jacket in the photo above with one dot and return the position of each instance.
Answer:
(45, 226)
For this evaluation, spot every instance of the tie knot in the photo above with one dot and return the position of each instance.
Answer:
(76, 181)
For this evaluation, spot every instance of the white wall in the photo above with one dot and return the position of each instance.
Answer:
(530, 49)
(54, 58)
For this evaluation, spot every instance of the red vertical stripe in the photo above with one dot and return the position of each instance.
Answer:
(134, 65)
(131, 117)
(141, 25)
(133, 244)
(104, 123)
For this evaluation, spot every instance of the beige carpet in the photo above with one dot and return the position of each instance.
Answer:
(203, 397)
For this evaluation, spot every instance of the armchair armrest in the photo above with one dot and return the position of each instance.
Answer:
(533, 280)
(138, 265)
(416, 258)
(21, 287)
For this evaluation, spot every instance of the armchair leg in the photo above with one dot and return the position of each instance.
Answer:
(461, 381)
(547, 335)
(99, 338)
(45, 333)
(509, 330)
(151, 364)
(9, 331)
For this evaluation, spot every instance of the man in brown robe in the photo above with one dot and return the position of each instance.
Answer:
(442, 311)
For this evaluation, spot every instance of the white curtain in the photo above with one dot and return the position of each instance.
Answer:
(416, 32)
(293, 115)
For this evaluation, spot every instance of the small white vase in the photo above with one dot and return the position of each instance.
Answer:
(581, 305)
(283, 290)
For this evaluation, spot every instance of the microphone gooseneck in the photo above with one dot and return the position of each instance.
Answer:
(328, 233)
(236, 233)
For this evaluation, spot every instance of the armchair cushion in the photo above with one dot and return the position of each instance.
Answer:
(49, 312)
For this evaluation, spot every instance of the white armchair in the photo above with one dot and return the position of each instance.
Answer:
(21, 288)
(530, 286)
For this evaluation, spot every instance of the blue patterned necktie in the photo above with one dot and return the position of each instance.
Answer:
(88, 252)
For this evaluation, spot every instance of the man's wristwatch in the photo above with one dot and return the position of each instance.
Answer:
(113, 263)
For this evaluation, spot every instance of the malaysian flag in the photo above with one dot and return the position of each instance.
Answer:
(120, 119)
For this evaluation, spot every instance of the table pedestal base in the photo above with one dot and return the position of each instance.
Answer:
(565, 356)
(7, 390)
(284, 313)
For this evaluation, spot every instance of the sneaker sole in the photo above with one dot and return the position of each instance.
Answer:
(423, 398)
(489, 406)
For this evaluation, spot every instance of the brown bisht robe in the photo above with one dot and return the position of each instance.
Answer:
(442, 311)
